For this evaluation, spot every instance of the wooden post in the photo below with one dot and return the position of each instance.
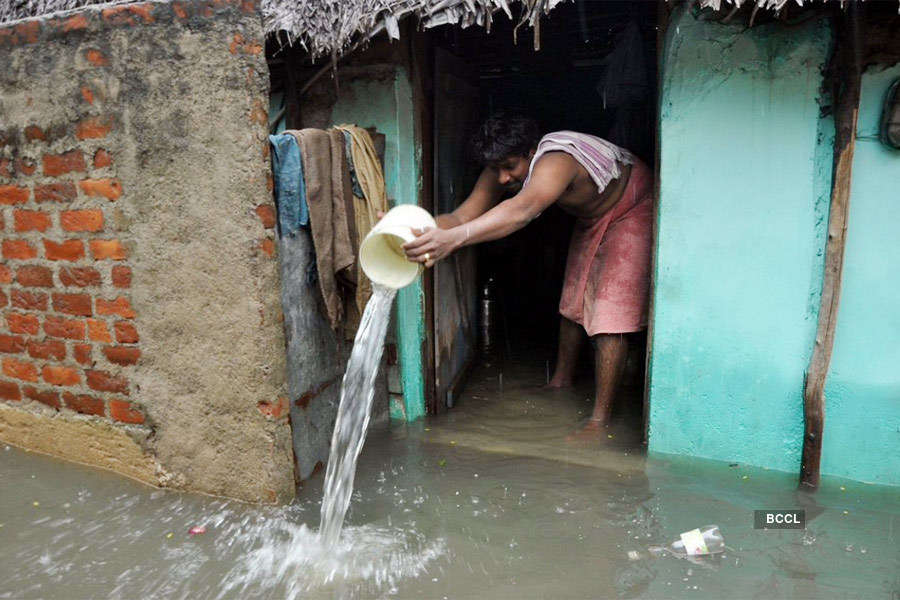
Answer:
(847, 73)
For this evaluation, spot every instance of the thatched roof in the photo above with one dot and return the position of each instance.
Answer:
(329, 27)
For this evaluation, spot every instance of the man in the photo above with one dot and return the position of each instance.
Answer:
(607, 280)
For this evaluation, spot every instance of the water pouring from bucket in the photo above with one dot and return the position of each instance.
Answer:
(381, 254)
(383, 260)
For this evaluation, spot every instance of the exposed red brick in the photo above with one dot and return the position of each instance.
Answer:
(121, 276)
(122, 355)
(3, 299)
(97, 331)
(13, 194)
(259, 114)
(28, 31)
(75, 23)
(28, 300)
(266, 214)
(73, 304)
(64, 328)
(18, 369)
(106, 382)
(276, 409)
(125, 412)
(48, 397)
(60, 164)
(93, 128)
(55, 192)
(66, 250)
(25, 165)
(236, 42)
(47, 349)
(7, 169)
(9, 391)
(81, 220)
(102, 158)
(33, 132)
(126, 333)
(248, 6)
(12, 344)
(108, 188)
(34, 276)
(19, 323)
(120, 306)
(103, 249)
(87, 94)
(61, 375)
(96, 58)
(79, 276)
(267, 246)
(5, 274)
(84, 404)
(82, 353)
(20, 249)
(31, 220)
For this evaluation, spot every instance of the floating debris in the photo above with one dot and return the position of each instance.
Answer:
(169, 535)
(197, 530)
(35, 503)
(442, 462)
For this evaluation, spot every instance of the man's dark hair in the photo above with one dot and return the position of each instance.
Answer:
(503, 135)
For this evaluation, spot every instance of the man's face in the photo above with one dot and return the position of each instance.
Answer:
(512, 171)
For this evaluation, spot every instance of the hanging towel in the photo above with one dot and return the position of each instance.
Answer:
(290, 189)
(366, 168)
(600, 158)
(326, 190)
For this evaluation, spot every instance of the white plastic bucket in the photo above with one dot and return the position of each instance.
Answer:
(381, 254)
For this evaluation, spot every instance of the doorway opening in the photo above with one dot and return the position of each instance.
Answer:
(495, 322)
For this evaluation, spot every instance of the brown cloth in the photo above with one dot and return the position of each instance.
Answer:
(328, 195)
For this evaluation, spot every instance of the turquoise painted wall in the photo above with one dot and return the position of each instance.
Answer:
(862, 395)
(745, 177)
(386, 103)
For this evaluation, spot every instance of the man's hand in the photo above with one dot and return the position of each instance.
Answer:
(431, 245)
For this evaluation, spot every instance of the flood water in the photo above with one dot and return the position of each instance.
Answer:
(486, 501)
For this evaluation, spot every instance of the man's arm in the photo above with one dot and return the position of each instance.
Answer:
(551, 176)
(484, 195)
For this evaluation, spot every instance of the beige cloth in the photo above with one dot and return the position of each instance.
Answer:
(328, 190)
(371, 181)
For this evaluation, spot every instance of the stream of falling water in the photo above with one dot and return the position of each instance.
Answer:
(357, 391)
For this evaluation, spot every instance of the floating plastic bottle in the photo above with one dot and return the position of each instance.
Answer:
(696, 542)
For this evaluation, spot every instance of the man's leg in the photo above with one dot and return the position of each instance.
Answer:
(610, 353)
(570, 336)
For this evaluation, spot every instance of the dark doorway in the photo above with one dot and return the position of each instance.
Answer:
(576, 82)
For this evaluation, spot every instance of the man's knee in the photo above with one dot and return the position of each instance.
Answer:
(602, 339)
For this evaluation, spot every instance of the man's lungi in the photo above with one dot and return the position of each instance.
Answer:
(607, 282)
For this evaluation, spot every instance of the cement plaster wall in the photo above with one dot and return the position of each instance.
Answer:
(862, 396)
(745, 176)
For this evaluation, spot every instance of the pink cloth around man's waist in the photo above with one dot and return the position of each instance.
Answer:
(607, 282)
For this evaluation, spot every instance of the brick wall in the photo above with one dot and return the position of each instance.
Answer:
(70, 339)
(139, 290)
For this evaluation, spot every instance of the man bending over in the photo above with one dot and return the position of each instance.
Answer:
(607, 281)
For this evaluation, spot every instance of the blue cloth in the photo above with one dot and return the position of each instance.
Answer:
(348, 151)
(290, 188)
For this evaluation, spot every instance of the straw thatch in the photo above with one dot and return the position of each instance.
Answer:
(329, 27)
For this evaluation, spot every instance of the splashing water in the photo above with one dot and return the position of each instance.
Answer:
(357, 391)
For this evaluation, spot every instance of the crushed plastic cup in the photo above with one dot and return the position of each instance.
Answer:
(696, 542)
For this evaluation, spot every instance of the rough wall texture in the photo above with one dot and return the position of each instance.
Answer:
(744, 188)
(139, 284)
(862, 396)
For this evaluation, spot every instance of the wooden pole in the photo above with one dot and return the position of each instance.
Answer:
(848, 59)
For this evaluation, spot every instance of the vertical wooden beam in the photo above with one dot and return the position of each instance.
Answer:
(420, 64)
(847, 74)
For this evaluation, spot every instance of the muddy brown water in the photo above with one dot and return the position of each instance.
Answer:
(486, 501)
